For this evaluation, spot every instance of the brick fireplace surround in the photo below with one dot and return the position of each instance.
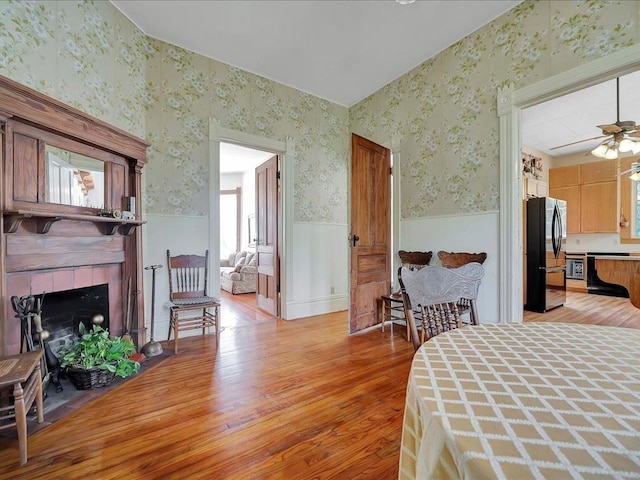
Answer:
(49, 247)
(36, 282)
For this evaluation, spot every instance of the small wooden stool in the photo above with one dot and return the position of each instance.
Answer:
(392, 309)
(15, 371)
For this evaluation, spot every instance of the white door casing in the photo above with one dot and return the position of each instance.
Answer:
(286, 151)
(510, 104)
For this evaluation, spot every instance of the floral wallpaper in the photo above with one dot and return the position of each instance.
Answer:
(189, 89)
(89, 55)
(82, 53)
(440, 117)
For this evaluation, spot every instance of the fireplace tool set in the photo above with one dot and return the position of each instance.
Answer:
(152, 348)
(29, 310)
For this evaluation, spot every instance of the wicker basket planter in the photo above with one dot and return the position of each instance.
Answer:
(84, 379)
(97, 358)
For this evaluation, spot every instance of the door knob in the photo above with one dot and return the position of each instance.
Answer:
(355, 239)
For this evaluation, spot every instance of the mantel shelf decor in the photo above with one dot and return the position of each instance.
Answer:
(14, 219)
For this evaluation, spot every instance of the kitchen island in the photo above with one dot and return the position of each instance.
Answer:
(621, 270)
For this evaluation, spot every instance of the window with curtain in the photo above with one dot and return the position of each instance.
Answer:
(230, 210)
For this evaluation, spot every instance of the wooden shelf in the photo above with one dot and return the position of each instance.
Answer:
(44, 220)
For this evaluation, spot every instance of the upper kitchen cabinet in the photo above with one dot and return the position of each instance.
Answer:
(534, 187)
(571, 194)
(599, 207)
(597, 172)
(564, 176)
(591, 192)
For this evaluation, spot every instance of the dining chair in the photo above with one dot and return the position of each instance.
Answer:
(20, 388)
(188, 293)
(391, 306)
(458, 259)
(434, 291)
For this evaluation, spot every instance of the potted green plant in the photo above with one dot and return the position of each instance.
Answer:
(96, 359)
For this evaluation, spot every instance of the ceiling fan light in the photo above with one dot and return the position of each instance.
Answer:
(636, 147)
(600, 150)
(626, 145)
(611, 154)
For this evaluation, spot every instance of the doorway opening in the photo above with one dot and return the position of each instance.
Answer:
(561, 134)
(510, 103)
(285, 153)
(238, 235)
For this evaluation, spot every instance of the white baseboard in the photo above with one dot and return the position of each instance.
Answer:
(317, 306)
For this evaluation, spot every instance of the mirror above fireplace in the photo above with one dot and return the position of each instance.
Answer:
(73, 179)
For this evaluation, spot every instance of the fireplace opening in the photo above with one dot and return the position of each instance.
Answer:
(62, 313)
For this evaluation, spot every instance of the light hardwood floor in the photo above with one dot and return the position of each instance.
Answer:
(280, 400)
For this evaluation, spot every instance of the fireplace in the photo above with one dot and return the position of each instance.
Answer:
(96, 289)
(63, 312)
(49, 245)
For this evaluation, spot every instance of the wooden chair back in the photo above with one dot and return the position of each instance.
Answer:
(188, 275)
(457, 259)
(435, 292)
(415, 258)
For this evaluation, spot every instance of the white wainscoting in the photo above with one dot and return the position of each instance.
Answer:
(181, 234)
(460, 233)
(319, 269)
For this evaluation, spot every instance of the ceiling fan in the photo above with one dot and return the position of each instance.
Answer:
(620, 136)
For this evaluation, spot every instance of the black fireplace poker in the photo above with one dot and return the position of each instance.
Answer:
(152, 348)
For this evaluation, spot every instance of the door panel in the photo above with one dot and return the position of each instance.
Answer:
(267, 236)
(370, 275)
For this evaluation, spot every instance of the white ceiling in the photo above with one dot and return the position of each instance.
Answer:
(237, 159)
(342, 51)
(575, 116)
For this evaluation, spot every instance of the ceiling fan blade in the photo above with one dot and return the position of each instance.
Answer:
(580, 141)
(634, 133)
(610, 129)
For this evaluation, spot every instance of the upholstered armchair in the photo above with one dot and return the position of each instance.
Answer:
(238, 273)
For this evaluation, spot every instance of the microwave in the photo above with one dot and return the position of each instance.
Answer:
(575, 268)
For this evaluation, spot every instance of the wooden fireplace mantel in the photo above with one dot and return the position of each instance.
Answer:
(41, 238)
(14, 219)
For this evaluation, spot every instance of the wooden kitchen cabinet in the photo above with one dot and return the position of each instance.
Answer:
(564, 176)
(572, 196)
(596, 172)
(599, 207)
(591, 193)
(534, 187)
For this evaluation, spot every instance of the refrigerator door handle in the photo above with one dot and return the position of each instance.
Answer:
(561, 268)
(555, 230)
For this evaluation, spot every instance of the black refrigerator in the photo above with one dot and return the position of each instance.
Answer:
(546, 253)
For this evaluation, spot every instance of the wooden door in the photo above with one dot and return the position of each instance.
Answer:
(370, 275)
(268, 279)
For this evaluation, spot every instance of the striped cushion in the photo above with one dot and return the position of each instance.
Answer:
(195, 301)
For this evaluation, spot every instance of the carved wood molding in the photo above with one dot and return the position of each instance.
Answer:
(27, 104)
